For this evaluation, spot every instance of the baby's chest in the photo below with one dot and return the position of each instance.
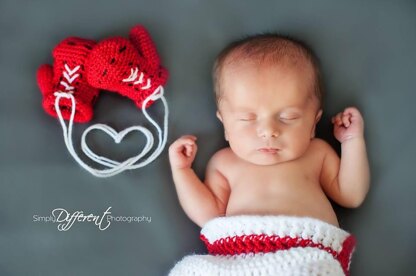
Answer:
(298, 175)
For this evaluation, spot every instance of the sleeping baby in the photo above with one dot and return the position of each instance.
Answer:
(264, 201)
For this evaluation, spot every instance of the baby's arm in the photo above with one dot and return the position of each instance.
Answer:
(347, 181)
(201, 202)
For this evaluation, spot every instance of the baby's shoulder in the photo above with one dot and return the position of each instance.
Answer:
(319, 146)
(223, 155)
(222, 158)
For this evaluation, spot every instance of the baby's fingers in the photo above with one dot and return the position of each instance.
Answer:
(352, 111)
(189, 149)
(188, 138)
(346, 119)
(182, 152)
(355, 115)
(337, 119)
(185, 145)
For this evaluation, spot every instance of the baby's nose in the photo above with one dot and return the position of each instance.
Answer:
(268, 130)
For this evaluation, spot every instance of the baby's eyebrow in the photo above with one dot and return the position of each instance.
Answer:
(291, 111)
(292, 108)
(244, 111)
(240, 109)
(241, 113)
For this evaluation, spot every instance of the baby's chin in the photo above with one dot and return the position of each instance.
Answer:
(267, 159)
(262, 162)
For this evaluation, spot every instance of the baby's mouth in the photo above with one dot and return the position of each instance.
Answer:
(269, 150)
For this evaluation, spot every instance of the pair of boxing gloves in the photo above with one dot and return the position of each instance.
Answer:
(83, 67)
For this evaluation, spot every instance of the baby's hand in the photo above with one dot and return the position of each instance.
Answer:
(182, 152)
(348, 124)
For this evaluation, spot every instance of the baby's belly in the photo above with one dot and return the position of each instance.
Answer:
(310, 202)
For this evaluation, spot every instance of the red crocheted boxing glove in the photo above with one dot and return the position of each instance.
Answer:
(130, 67)
(68, 75)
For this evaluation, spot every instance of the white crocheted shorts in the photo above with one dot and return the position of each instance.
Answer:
(270, 245)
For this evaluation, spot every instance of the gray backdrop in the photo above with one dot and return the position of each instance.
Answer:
(367, 50)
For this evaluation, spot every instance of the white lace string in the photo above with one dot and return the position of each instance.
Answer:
(115, 167)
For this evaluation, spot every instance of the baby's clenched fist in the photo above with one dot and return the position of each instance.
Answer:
(182, 152)
(348, 124)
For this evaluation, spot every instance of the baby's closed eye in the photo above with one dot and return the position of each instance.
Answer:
(289, 117)
(246, 117)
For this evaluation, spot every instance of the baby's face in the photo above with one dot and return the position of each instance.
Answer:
(269, 112)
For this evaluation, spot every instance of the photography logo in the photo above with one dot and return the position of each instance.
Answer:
(65, 220)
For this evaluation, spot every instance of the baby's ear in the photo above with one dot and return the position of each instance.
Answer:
(318, 116)
(219, 116)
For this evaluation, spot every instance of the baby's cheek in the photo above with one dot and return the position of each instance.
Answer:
(240, 138)
(299, 144)
(238, 129)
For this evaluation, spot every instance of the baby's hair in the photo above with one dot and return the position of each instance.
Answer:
(270, 47)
